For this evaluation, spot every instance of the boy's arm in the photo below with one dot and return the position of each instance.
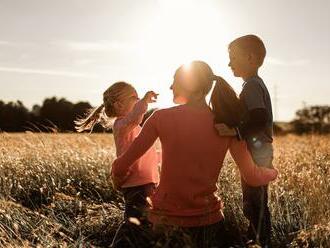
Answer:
(121, 166)
(256, 115)
(255, 119)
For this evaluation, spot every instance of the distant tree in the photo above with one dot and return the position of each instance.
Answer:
(53, 115)
(57, 113)
(13, 116)
(312, 119)
(80, 108)
(277, 129)
(36, 110)
(60, 113)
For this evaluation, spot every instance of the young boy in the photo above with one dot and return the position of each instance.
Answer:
(246, 56)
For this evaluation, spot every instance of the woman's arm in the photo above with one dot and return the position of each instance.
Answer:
(141, 144)
(252, 174)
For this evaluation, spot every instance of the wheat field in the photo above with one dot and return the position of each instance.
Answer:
(54, 191)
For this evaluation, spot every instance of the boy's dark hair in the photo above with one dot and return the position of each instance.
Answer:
(251, 44)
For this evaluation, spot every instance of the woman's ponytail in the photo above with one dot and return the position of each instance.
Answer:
(225, 103)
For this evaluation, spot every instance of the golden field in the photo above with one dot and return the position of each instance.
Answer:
(54, 191)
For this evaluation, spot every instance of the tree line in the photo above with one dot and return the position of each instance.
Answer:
(58, 115)
(54, 115)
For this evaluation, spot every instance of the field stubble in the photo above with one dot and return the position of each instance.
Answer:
(54, 191)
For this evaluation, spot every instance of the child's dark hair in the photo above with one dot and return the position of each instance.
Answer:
(250, 44)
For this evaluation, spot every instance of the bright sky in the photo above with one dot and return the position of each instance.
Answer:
(77, 48)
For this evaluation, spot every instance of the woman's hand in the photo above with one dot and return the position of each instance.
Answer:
(252, 174)
(272, 173)
(224, 130)
(117, 177)
(115, 180)
(150, 97)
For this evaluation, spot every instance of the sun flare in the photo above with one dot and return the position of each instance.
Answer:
(181, 31)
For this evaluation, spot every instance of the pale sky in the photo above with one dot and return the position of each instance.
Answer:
(77, 48)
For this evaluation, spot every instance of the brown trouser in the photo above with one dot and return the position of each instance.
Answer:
(136, 232)
(136, 200)
(213, 235)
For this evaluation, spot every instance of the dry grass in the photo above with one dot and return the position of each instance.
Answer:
(54, 192)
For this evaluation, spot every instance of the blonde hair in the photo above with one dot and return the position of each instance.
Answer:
(250, 44)
(106, 111)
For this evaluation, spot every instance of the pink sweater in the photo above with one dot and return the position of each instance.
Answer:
(192, 156)
(125, 129)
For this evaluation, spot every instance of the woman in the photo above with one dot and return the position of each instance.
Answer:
(192, 156)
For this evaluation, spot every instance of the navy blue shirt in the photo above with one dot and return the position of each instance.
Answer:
(254, 96)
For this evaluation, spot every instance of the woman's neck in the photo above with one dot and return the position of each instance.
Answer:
(197, 102)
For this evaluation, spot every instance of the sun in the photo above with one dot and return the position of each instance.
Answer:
(180, 32)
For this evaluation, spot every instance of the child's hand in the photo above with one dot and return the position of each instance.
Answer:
(224, 130)
(150, 97)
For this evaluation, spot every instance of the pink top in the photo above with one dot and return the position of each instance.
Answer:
(192, 156)
(125, 129)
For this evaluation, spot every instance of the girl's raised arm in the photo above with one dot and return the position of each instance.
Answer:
(133, 118)
(141, 144)
(251, 173)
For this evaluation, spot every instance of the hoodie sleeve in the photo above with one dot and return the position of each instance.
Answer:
(133, 118)
(121, 166)
(251, 173)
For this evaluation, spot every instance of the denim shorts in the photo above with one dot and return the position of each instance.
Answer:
(261, 152)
